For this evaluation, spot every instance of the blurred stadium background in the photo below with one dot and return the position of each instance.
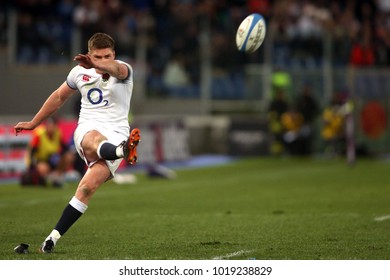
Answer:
(194, 92)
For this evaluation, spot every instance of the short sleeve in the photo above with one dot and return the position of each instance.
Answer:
(129, 77)
(71, 79)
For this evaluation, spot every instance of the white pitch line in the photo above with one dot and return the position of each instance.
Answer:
(382, 218)
(234, 254)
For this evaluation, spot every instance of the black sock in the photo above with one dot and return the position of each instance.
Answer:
(108, 151)
(68, 218)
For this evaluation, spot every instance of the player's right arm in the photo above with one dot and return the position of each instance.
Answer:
(51, 105)
(103, 64)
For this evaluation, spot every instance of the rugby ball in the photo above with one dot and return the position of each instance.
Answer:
(250, 34)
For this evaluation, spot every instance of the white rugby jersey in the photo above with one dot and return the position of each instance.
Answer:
(102, 100)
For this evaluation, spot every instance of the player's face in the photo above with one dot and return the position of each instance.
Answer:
(99, 55)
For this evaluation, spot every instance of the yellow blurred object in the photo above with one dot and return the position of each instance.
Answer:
(292, 121)
(333, 123)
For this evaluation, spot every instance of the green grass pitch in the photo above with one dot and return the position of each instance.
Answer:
(261, 208)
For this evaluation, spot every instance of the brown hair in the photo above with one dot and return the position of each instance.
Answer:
(101, 41)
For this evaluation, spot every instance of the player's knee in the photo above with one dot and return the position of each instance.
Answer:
(90, 145)
(84, 193)
(87, 192)
(87, 188)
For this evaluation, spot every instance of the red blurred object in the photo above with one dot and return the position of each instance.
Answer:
(362, 55)
(259, 6)
(373, 119)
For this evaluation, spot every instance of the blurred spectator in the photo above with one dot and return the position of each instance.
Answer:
(43, 31)
(300, 28)
(49, 157)
(175, 74)
(344, 29)
(87, 17)
(308, 107)
(27, 41)
(333, 131)
(363, 52)
(358, 32)
(300, 25)
(382, 30)
(3, 22)
(281, 80)
(292, 123)
(276, 109)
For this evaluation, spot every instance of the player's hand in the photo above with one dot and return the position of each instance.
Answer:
(84, 60)
(23, 126)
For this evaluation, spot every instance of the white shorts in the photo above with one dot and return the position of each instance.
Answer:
(114, 135)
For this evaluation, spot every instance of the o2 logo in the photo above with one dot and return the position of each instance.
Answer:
(96, 98)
